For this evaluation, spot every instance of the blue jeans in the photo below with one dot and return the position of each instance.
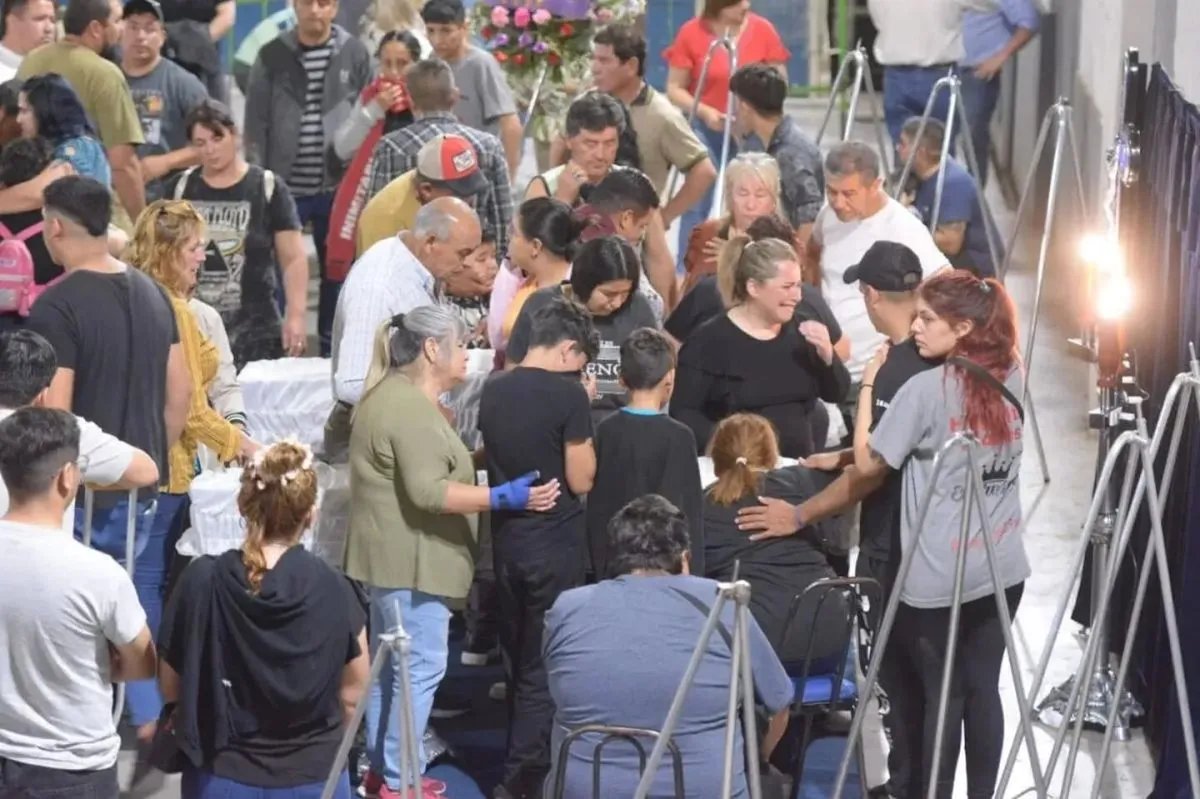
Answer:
(315, 209)
(699, 212)
(109, 524)
(150, 570)
(426, 619)
(198, 784)
(906, 90)
(980, 98)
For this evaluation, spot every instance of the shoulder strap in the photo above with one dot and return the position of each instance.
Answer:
(24, 235)
(181, 184)
(987, 377)
(5, 233)
(268, 184)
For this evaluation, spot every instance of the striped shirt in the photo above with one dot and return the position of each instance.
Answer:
(308, 173)
(396, 154)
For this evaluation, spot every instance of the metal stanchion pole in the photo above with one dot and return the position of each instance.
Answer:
(958, 441)
(726, 42)
(739, 592)
(534, 97)
(130, 557)
(858, 59)
(396, 645)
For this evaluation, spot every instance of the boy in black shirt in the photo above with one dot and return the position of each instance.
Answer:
(538, 417)
(640, 450)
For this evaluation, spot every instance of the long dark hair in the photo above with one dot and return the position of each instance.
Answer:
(56, 107)
(601, 260)
(552, 223)
(958, 296)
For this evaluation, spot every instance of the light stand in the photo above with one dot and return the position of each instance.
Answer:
(862, 79)
(1110, 419)
(739, 592)
(396, 645)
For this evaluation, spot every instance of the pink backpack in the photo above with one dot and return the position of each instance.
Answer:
(17, 287)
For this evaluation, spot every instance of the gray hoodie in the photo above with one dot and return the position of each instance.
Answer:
(275, 100)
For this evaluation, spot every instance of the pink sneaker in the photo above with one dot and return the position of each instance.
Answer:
(430, 789)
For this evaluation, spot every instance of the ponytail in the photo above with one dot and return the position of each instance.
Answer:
(727, 261)
(742, 448)
(277, 497)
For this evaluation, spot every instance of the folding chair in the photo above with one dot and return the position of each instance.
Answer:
(610, 734)
(837, 690)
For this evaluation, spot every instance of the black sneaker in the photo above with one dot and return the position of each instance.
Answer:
(449, 706)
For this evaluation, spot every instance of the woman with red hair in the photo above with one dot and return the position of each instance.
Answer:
(971, 323)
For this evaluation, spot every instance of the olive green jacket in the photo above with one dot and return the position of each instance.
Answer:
(403, 454)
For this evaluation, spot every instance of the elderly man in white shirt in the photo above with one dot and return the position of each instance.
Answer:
(392, 277)
(919, 41)
(858, 213)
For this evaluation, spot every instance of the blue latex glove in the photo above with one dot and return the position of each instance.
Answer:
(514, 494)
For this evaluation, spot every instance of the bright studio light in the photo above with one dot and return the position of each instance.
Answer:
(1101, 252)
(1114, 297)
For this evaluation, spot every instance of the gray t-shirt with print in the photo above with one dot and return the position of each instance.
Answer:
(484, 95)
(925, 413)
(163, 97)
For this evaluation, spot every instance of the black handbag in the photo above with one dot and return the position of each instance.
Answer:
(165, 754)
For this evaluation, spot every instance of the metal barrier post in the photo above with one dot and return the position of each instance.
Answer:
(862, 79)
(533, 98)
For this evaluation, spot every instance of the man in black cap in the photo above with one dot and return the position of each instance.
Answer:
(888, 277)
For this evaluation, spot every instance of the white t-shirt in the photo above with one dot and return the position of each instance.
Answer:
(103, 459)
(61, 604)
(843, 246)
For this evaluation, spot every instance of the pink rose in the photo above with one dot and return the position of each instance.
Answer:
(541, 16)
(499, 16)
(521, 17)
(604, 16)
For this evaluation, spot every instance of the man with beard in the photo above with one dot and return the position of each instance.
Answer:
(85, 58)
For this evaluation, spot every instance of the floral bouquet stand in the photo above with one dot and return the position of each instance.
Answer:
(525, 35)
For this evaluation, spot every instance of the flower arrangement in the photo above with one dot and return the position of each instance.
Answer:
(525, 35)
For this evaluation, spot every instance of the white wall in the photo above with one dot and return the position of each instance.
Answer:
(1186, 69)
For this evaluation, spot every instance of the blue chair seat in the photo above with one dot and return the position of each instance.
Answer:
(818, 689)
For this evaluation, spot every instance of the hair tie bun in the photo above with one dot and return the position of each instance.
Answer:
(742, 461)
(398, 321)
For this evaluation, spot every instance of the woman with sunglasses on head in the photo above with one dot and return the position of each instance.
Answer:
(971, 323)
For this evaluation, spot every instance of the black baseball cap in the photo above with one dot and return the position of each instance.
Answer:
(887, 266)
(143, 7)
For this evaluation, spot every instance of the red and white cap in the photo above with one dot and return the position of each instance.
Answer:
(450, 160)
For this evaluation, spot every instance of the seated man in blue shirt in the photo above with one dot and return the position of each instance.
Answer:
(961, 232)
(615, 652)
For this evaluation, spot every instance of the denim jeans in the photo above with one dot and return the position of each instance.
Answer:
(150, 570)
(21, 780)
(109, 526)
(906, 90)
(315, 209)
(979, 100)
(426, 619)
(699, 212)
(198, 784)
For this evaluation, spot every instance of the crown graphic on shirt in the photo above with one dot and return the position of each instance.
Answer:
(998, 471)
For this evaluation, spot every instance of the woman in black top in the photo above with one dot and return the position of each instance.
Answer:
(744, 452)
(604, 278)
(756, 357)
(263, 650)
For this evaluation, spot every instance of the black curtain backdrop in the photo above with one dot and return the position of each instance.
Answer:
(1161, 232)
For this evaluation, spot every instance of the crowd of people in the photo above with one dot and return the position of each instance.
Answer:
(812, 336)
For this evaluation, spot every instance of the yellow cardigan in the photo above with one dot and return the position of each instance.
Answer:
(204, 425)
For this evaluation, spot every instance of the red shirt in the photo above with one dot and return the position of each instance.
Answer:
(759, 43)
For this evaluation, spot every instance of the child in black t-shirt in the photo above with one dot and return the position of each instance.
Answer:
(538, 417)
(640, 450)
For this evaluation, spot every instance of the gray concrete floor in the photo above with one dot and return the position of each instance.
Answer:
(1063, 390)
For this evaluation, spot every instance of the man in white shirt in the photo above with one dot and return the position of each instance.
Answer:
(858, 213)
(27, 365)
(393, 277)
(919, 42)
(27, 24)
(70, 623)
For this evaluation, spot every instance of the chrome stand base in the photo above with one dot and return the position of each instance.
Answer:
(1051, 710)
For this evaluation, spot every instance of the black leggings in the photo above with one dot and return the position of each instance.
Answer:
(974, 707)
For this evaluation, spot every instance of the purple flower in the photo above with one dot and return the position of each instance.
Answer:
(525, 40)
(540, 47)
(501, 40)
